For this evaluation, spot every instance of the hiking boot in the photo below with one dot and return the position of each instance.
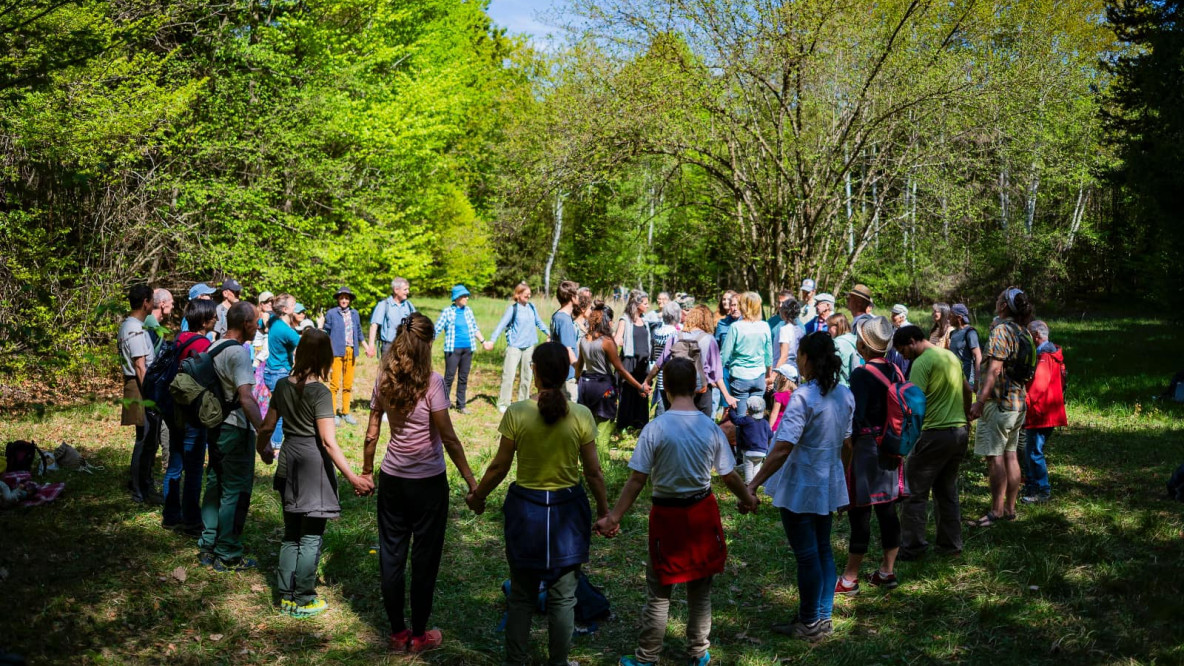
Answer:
(205, 559)
(847, 588)
(310, 609)
(349, 418)
(431, 639)
(812, 632)
(462, 410)
(634, 661)
(1037, 498)
(880, 579)
(241, 564)
(400, 642)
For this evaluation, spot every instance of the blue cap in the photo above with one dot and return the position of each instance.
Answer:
(298, 309)
(458, 291)
(200, 289)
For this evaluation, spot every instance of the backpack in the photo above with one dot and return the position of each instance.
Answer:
(514, 315)
(906, 413)
(160, 375)
(1021, 368)
(591, 604)
(197, 390)
(21, 456)
(689, 349)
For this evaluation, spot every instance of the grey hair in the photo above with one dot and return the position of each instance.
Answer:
(1039, 328)
(635, 298)
(399, 282)
(283, 303)
(159, 296)
(671, 312)
(756, 406)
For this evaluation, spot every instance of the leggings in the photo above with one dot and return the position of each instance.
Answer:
(412, 514)
(861, 527)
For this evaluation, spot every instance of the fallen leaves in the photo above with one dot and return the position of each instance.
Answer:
(180, 574)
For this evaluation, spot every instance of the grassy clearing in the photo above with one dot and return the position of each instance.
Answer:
(1092, 578)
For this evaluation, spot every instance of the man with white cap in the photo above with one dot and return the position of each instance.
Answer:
(900, 316)
(807, 299)
(824, 305)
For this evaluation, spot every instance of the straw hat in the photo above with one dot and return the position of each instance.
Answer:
(876, 333)
(862, 291)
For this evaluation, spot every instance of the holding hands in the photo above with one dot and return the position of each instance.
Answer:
(488, 345)
(363, 484)
(476, 504)
(607, 527)
(266, 451)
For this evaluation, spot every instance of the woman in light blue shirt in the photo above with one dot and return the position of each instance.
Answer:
(520, 321)
(810, 441)
(748, 353)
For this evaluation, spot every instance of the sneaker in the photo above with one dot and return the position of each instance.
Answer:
(310, 609)
(815, 631)
(501, 410)
(881, 579)
(206, 559)
(700, 661)
(400, 642)
(431, 639)
(287, 607)
(847, 588)
(462, 410)
(1036, 499)
(349, 418)
(337, 420)
(634, 661)
(241, 564)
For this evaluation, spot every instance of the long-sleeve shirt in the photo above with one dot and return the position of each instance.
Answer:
(747, 350)
(708, 353)
(447, 324)
(521, 332)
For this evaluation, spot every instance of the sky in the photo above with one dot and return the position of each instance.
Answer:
(523, 16)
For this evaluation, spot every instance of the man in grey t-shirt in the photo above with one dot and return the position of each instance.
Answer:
(136, 355)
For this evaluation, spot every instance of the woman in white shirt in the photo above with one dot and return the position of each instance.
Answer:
(810, 441)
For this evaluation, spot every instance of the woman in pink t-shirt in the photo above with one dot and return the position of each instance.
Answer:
(413, 485)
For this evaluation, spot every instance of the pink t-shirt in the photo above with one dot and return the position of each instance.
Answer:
(415, 450)
(782, 399)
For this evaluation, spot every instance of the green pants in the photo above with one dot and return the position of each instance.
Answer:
(561, 615)
(517, 362)
(230, 477)
(300, 553)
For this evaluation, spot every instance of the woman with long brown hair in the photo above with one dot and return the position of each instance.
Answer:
(939, 335)
(598, 357)
(304, 475)
(632, 336)
(413, 493)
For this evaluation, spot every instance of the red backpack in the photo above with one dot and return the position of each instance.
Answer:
(906, 412)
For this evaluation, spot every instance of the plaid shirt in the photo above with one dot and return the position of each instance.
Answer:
(1003, 345)
(447, 324)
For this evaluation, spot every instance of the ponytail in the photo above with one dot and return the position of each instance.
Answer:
(551, 364)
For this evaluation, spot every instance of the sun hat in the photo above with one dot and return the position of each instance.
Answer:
(298, 309)
(807, 285)
(265, 296)
(962, 311)
(755, 405)
(232, 285)
(900, 309)
(343, 290)
(789, 371)
(862, 291)
(824, 298)
(876, 333)
(200, 289)
(459, 291)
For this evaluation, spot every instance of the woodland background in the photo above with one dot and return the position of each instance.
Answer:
(929, 149)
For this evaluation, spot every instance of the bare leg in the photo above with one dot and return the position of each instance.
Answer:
(1012, 462)
(997, 474)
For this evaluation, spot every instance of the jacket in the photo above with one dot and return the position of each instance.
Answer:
(547, 529)
(335, 327)
(752, 434)
(1046, 394)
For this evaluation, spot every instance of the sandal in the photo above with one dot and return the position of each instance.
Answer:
(986, 521)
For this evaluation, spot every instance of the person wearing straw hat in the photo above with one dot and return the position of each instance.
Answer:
(461, 335)
(859, 302)
(344, 326)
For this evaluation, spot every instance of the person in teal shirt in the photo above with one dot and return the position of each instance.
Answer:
(282, 339)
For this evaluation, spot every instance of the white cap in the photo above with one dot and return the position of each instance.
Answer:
(265, 296)
(900, 309)
(824, 298)
(808, 285)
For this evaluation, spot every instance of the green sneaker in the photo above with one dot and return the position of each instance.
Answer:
(631, 660)
(310, 609)
(287, 607)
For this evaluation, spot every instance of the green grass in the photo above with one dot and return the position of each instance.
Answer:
(1094, 577)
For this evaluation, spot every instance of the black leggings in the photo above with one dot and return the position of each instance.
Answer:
(411, 512)
(861, 527)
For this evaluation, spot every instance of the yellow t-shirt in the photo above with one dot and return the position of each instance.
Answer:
(548, 455)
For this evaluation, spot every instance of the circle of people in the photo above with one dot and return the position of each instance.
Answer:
(801, 405)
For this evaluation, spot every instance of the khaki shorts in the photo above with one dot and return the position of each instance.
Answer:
(998, 430)
(133, 412)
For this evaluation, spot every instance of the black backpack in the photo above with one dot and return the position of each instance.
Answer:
(161, 373)
(1022, 367)
(22, 456)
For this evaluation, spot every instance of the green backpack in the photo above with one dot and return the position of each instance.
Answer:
(197, 391)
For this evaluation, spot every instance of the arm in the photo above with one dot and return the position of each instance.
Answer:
(782, 354)
(140, 365)
(725, 353)
(373, 429)
(503, 322)
(610, 524)
(263, 436)
(250, 406)
(538, 322)
(986, 387)
(474, 329)
(610, 350)
(967, 398)
(373, 335)
(774, 412)
(444, 321)
(377, 315)
(328, 432)
(595, 476)
(443, 424)
(498, 468)
(619, 333)
(579, 366)
(748, 499)
(773, 462)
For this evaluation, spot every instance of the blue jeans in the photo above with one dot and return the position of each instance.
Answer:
(270, 379)
(187, 456)
(1035, 464)
(743, 389)
(809, 538)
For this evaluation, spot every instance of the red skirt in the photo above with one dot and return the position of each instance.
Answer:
(686, 542)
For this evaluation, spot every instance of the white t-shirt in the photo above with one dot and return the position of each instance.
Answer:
(678, 450)
(234, 369)
(790, 334)
(134, 343)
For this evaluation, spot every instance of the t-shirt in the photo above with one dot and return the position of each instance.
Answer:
(678, 450)
(548, 455)
(938, 373)
(781, 398)
(463, 339)
(281, 346)
(416, 450)
(963, 342)
(302, 409)
(234, 370)
(200, 345)
(848, 355)
(563, 331)
(746, 351)
(789, 334)
(134, 343)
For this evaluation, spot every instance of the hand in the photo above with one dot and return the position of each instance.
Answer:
(607, 527)
(476, 504)
(731, 401)
(266, 452)
(976, 410)
(646, 387)
(749, 506)
(370, 350)
(488, 345)
(362, 485)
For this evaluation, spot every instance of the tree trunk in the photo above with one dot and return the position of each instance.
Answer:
(1003, 198)
(1030, 204)
(1078, 213)
(554, 244)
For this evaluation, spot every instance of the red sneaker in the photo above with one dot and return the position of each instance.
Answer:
(431, 639)
(399, 642)
(845, 587)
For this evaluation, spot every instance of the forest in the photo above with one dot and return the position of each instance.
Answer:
(928, 149)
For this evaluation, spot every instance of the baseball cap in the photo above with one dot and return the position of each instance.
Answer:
(807, 285)
(232, 285)
(200, 289)
(900, 309)
(298, 309)
(824, 298)
(265, 296)
(962, 311)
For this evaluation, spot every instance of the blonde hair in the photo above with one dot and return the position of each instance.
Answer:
(750, 305)
(522, 286)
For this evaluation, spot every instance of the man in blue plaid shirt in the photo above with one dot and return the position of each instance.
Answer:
(460, 334)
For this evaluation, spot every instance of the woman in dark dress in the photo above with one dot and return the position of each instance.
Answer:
(632, 336)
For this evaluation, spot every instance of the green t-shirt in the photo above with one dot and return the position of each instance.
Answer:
(301, 412)
(548, 455)
(938, 373)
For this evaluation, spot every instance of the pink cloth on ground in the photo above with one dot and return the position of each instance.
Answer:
(39, 493)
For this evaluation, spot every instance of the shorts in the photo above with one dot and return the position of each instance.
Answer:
(998, 430)
(133, 409)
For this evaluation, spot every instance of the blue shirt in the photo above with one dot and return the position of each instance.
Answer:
(563, 331)
(281, 346)
(721, 329)
(816, 324)
(459, 327)
(811, 480)
(388, 315)
(522, 333)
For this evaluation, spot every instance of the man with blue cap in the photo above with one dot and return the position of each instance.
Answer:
(459, 327)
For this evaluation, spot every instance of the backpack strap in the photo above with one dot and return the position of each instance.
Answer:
(871, 367)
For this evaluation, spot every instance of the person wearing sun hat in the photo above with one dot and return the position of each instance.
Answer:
(859, 302)
(344, 326)
(461, 335)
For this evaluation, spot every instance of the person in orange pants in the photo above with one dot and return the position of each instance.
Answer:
(344, 326)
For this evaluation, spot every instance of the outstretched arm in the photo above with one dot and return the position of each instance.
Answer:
(610, 524)
(498, 468)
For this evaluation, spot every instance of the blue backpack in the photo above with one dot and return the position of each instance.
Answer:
(906, 412)
(160, 374)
